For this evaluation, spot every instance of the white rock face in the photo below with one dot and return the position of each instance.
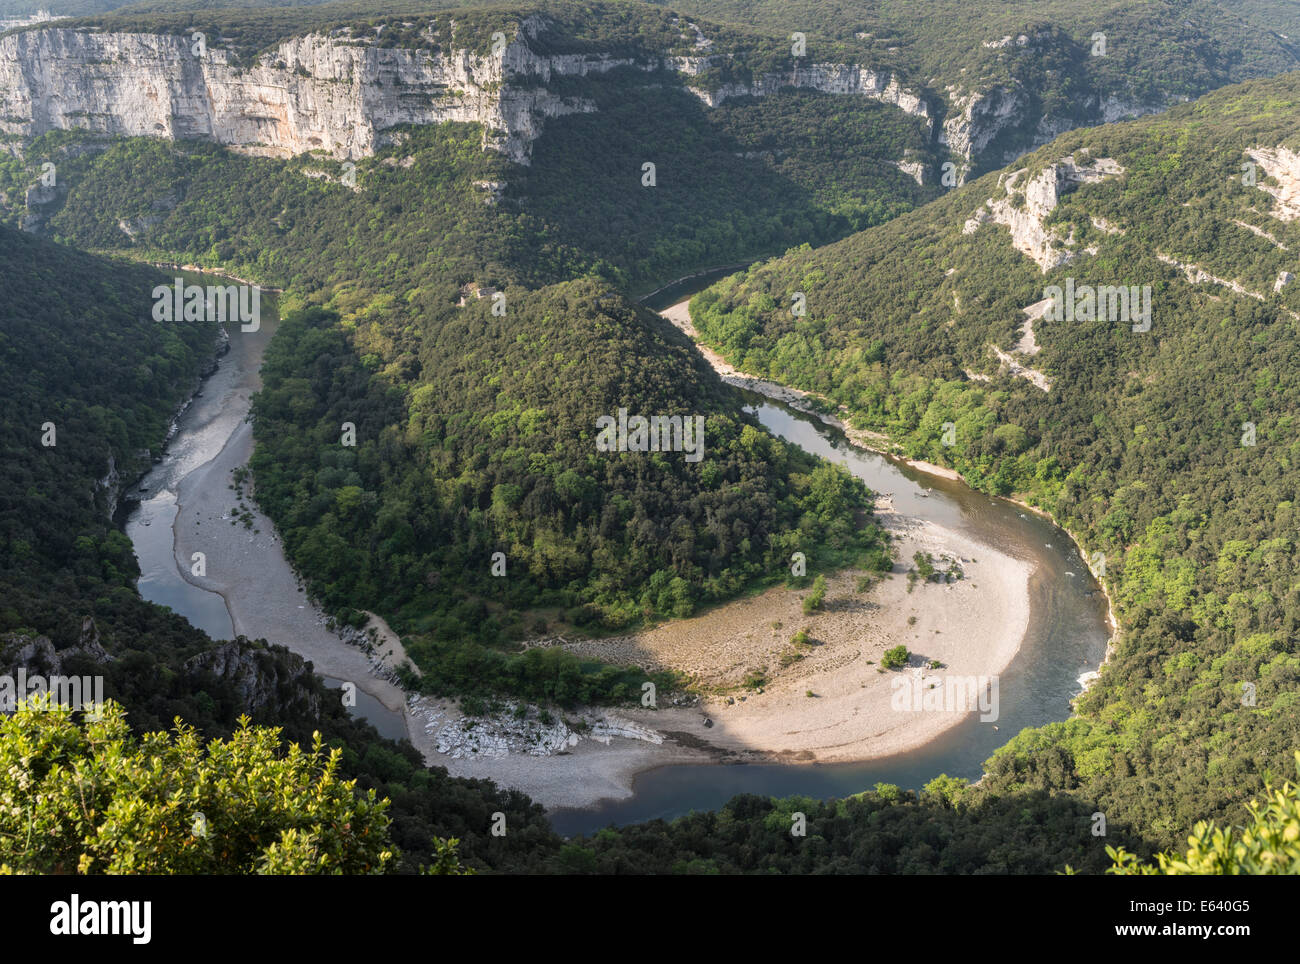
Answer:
(913, 169)
(975, 119)
(827, 78)
(331, 94)
(1023, 210)
(1283, 166)
(310, 93)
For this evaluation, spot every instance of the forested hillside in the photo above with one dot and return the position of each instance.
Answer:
(751, 178)
(79, 349)
(1171, 452)
(476, 429)
(493, 449)
(1035, 68)
(472, 318)
(64, 561)
(90, 385)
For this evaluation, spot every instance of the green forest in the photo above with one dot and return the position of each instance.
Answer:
(475, 432)
(473, 340)
(492, 449)
(1137, 448)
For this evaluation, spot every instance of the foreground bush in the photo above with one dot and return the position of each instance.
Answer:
(1269, 845)
(89, 797)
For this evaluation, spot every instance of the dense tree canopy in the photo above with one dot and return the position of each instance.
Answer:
(1172, 453)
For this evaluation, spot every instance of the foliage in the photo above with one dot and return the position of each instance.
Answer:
(814, 600)
(472, 425)
(895, 657)
(1034, 57)
(90, 797)
(1137, 448)
(1270, 844)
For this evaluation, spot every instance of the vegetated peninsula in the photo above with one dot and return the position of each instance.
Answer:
(461, 208)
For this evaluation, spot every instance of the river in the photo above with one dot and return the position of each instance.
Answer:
(1066, 637)
(202, 432)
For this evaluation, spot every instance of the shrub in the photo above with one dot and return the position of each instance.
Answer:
(894, 658)
(815, 599)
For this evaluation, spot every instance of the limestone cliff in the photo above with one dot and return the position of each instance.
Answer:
(311, 93)
(827, 78)
(334, 94)
(1024, 207)
(339, 94)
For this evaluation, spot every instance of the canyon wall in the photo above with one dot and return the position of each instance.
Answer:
(331, 94)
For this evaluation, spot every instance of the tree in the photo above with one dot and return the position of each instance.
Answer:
(89, 797)
(895, 657)
(1269, 845)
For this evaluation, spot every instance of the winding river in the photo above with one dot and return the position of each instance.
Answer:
(1067, 635)
(203, 430)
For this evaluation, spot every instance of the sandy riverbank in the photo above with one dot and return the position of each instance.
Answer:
(972, 627)
(250, 572)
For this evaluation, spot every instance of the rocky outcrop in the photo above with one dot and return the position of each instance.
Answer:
(41, 201)
(37, 655)
(826, 78)
(1012, 362)
(89, 644)
(41, 16)
(278, 684)
(1196, 275)
(111, 485)
(912, 166)
(519, 728)
(1024, 209)
(1282, 166)
(1260, 233)
(975, 119)
(312, 93)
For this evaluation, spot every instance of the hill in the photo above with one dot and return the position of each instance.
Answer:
(1166, 441)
